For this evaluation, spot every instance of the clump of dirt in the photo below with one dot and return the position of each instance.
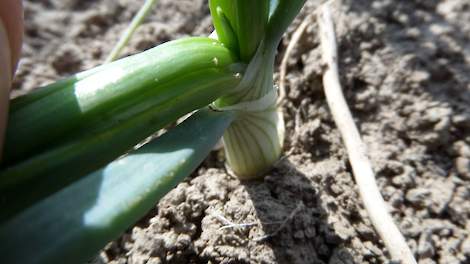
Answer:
(405, 71)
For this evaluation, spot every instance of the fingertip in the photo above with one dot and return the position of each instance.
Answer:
(11, 13)
(5, 81)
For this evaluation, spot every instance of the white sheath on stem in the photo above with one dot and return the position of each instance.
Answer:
(362, 168)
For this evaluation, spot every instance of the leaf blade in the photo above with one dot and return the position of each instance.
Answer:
(72, 225)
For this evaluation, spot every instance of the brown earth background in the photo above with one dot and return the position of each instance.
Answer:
(405, 70)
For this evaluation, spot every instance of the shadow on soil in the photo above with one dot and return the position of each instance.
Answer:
(293, 219)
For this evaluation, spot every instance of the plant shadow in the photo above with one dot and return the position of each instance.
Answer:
(293, 218)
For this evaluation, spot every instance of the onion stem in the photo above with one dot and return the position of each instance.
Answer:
(255, 139)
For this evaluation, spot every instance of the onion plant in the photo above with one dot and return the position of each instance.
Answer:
(62, 195)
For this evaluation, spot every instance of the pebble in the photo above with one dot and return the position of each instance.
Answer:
(153, 260)
(425, 246)
(463, 167)
(462, 149)
(310, 232)
(371, 249)
(340, 233)
(441, 194)
(396, 200)
(299, 234)
(426, 261)
(465, 247)
(413, 32)
(459, 205)
(341, 256)
(461, 120)
(183, 241)
(439, 29)
(406, 179)
(411, 227)
(420, 76)
(451, 246)
(417, 196)
(438, 114)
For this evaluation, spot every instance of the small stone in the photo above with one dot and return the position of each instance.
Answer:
(334, 238)
(459, 206)
(420, 76)
(169, 241)
(396, 200)
(425, 246)
(426, 261)
(452, 245)
(460, 148)
(179, 196)
(344, 231)
(439, 71)
(439, 29)
(310, 232)
(461, 120)
(299, 234)
(413, 32)
(436, 226)
(341, 256)
(410, 227)
(431, 48)
(463, 167)
(402, 18)
(154, 261)
(437, 114)
(371, 249)
(465, 247)
(418, 196)
(441, 195)
(406, 179)
(67, 60)
(183, 241)
(365, 231)
(321, 246)
(443, 125)
(336, 189)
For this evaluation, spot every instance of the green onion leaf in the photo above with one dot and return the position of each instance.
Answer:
(282, 14)
(76, 105)
(248, 20)
(72, 225)
(225, 33)
(98, 121)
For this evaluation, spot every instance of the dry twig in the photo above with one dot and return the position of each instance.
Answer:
(229, 224)
(362, 169)
(283, 68)
(284, 223)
